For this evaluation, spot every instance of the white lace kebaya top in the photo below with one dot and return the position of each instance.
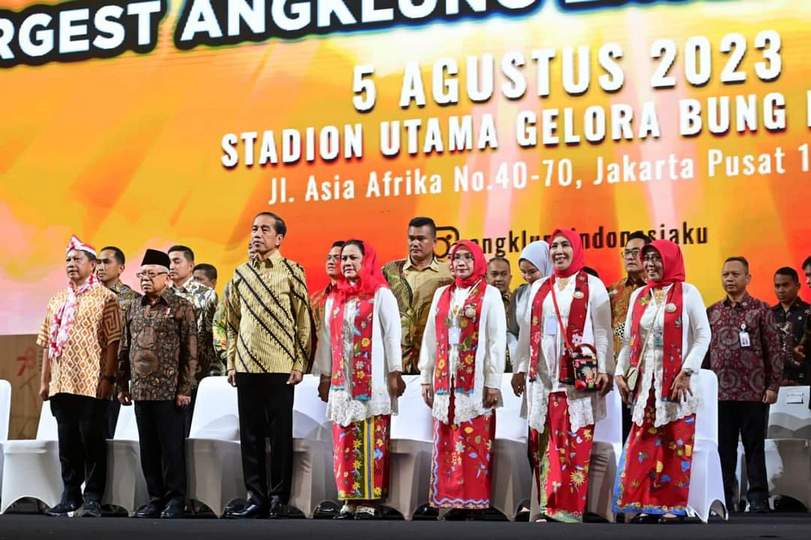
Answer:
(386, 357)
(490, 355)
(585, 408)
(695, 342)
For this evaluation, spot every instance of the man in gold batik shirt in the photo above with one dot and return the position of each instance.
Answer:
(413, 282)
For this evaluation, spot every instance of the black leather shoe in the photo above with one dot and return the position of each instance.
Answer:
(671, 520)
(759, 507)
(425, 513)
(280, 510)
(252, 511)
(90, 509)
(62, 509)
(149, 511)
(456, 514)
(645, 519)
(174, 510)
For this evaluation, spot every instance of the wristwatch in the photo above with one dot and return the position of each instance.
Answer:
(689, 371)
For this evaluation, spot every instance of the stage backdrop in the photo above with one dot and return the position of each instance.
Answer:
(145, 123)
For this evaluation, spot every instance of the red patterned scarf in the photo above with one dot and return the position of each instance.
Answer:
(673, 274)
(370, 279)
(66, 313)
(574, 327)
(468, 323)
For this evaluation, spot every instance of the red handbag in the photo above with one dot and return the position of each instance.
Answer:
(583, 358)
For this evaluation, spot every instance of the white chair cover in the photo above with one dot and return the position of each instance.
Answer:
(313, 480)
(790, 417)
(126, 486)
(512, 477)
(411, 447)
(605, 457)
(213, 458)
(31, 468)
(706, 481)
(788, 466)
(5, 414)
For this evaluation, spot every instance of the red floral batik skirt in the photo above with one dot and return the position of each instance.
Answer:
(654, 473)
(361, 459)
(462, 462)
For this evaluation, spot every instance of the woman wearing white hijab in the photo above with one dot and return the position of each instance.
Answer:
(534, 264)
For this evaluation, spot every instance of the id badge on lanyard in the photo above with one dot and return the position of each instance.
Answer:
(454, 334)
(744, 337)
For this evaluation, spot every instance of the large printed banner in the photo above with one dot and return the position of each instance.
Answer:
(145, 123)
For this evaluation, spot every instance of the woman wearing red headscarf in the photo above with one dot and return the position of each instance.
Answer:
(567, 312)
(461, 364)
(360, 362)
(669, 336)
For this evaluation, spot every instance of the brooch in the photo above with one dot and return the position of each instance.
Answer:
(470, 312)
(670, 308)
(578, 295)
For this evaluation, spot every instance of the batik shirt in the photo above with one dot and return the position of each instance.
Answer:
(792, 325)
(96, 326)
(268, 319)
(744, 372)
(159, 350)
(620, 295)
(204, 301)
(414, 290)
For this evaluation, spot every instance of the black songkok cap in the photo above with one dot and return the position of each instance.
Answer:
(153, 256)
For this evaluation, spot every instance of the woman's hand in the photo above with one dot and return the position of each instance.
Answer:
(396, 384)
(428, 394)
(680, 389)
(622, 385)
(323, 388)
(604, 385)
(491, 397)
(519, 383)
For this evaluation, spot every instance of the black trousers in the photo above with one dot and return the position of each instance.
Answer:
(188, 413)
(113, 409)
(81, 423)
(266, 411)
(747, 420)
(161, 427)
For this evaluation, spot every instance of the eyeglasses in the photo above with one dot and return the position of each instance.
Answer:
(652, 258)
(631, 252)
(150, 275)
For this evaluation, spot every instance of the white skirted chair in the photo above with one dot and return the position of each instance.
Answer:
(606, 452)
(126, 486)
(5, 416)
(706, 481)
(313, 480)
(31, 468)
(411, 448)
(788, 466)
(213, 458)
(512, 477)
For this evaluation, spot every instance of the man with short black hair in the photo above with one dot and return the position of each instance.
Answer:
(204, 301)
(499, 275)
(745, 355)
(413, 281)
(269, 329)
(791, 315)
(109, 268)
(206, 274)
(807, 270)
(620, 295)
(332, 267)
(79, 337)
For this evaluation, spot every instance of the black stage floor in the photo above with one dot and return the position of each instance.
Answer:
(740, 526)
